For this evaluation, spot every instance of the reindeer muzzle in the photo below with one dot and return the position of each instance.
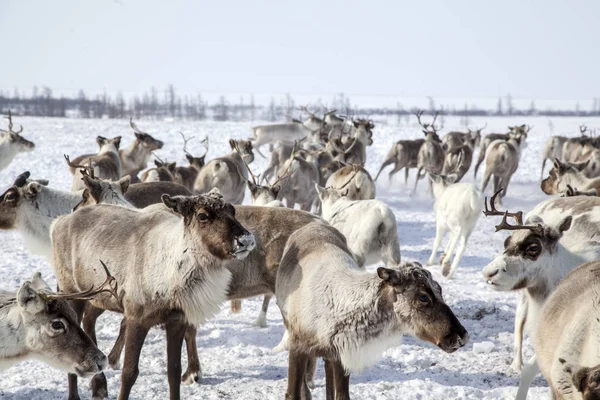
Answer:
(243, 245)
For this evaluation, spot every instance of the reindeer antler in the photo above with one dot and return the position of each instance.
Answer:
(108, 286)
(504, 225)
(185, 141)
(582, 129)
(10, 125)
(85, 170)
(305, 109)
(254, 177)
(135, 128)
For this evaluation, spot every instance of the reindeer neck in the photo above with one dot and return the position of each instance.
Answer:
(135, 156)
(12, 332)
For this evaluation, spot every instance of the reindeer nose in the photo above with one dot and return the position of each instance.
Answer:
(101, 362)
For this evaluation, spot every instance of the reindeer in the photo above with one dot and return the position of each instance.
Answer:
(287, 133)
(356, 180)
(453, 140)
(403, 154)
(186, 176)
(227, 173)
(281, 152)
(354, 151)
(30, 206)
(163, 172)
(253, 276)
(501, 161)
(516, 132)
(369, 226)
(552, 149)
(431, 153)
(312, 122)
(12, 143)
(355, 315)
(181, 282)
(565, 342)
(106, 163)
(573, 148)
(459, 160)
(298, 188)
(555, 237)
(38, 324)
(569, 176)
(457, 208)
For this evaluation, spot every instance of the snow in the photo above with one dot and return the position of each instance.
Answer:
(236, 357)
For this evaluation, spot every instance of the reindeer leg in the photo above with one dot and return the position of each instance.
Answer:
(406, 171)
(297, 388)
(341, 381)
(261, 321)
(486, 180)
(440, 230)
(284, 344)
(459, 253)
(98, 384)
(391, 174)
(530, 370)
(135, 334)
(520, 320)
(194, 371)
(543, 165)
(385, 164)
(449, 253)
(176, 330)
(329, 381)
(417, 179)
(78, 307)
(311, 369)
(114, 358)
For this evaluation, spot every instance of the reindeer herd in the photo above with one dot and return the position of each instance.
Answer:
(168, 245)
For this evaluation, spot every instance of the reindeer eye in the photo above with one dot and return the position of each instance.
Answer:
(58, 326)
(533, 248)
(10, 196)
(203, 217)
(424, 299)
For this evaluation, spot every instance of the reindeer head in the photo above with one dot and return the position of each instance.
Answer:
(364, 131)
(527, 252)
(262, 195)
(147, 141)
(15, 138)
(52, 331)
(102, 191)
(585, 380)
(563, 175)
(418, 303)
(212, 223)
(244, 148)
(108, 145)
(22, 191)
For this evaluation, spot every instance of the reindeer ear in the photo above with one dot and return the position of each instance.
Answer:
(29, 299)
(190, 158)
(565, 224)
(180, 204)
(32, 189)
(157, 164)
(101, 140)
(117, 142)
(276, 189)
(450, 179)
(232, 144)
(43, 182)
(251, 186)
(389, 276)
(171, 167)
(320, 190)
(581, 166)
(37, 283)
(557, 164)
(124, 183)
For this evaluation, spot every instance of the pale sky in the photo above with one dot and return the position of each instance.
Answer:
(547, 49)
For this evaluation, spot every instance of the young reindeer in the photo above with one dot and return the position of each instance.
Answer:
(501, 161)
(354, 315)
(555, 237)
(12, 143)
(457, 208)
(106, 163)
(552, 149)
(299, 188)
(163, 172)
(519, 132)
(181, 280)
(369, 226)
(38, 324)
(135, 158)
(431, 153)
(227, 173)
(565, 340)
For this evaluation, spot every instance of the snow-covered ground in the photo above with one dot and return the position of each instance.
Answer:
(237, 360)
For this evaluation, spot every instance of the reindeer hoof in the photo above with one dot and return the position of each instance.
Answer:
(114, 364)
(236, 306)
(515, 368)
(99, 387)
(311, 384)
(191, 377)
(429, 263)
(446, 270)
(260, 322)
(442, 258)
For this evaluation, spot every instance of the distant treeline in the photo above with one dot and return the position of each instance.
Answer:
(155, 104)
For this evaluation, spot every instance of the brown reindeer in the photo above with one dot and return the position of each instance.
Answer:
(431, 154)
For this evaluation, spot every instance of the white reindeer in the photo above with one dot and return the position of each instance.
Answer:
(457, 208)
(12, 143)
(557, 236)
